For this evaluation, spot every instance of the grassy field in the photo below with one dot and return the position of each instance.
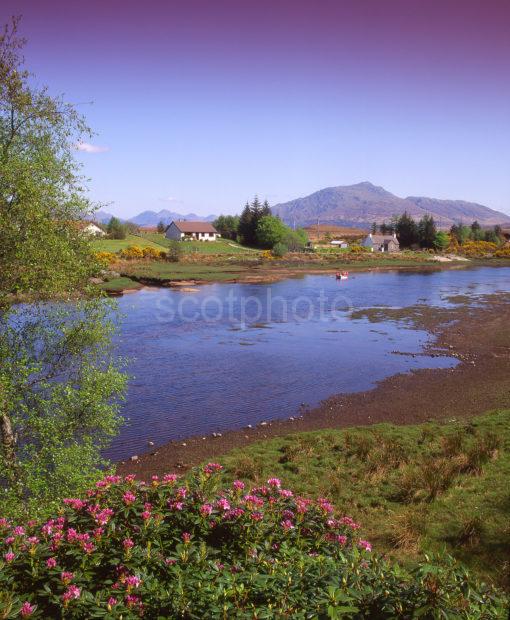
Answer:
(117, 285)
(115, 245)
(201, 247)
(414, 489)
(165, 271)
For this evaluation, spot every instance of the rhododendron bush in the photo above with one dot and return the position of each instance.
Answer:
(181, 548)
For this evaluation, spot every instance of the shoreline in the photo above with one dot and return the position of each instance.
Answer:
(479, 337)
(262, 274)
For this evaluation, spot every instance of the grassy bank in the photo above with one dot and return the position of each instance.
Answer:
(415, 489)
(116, 245)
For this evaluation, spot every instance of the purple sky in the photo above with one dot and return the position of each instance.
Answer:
(200, 104)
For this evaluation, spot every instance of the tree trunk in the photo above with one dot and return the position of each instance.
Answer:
(8, 439)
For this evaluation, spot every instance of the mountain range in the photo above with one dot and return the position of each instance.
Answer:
(152, 218)
(363, 203)
(356, 205)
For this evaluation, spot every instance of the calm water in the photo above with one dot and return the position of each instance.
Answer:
(227, 355)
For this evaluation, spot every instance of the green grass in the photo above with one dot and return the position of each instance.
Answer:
(417, 488)
(115, 245)
(120, 284)
(162, 270)
(222, 246)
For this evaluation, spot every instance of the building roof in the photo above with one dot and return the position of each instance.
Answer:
(380, 239)
(194, 227)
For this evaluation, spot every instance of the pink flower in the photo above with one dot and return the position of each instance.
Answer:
(132, 581)
(238, 485)
(287, 525)
(9, 556)
(128, 498)
(4, 522)
(98, 532)
(170, 478)
(286, 493)
(132, 600)
(223, 504)
(365, 545)
(349, 522)
(210, 468)
(18, 531)
(103, 517)
(76, 504)
(51, 562)
(341, 539)
(256, 516)
(274, 482)
(206, 509)
(27, 610)
(33, 540)
(175, 505)
(9, 540)
(88, 547)
(66, 577)
(130, 478)
(325, 505)
(186, 537)
(72, 592)
(127, 543)
(112, 601)
(182, 492)
(146, 515)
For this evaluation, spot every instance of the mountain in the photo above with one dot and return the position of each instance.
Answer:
(364, 203)
(102, 217)
(152, 218)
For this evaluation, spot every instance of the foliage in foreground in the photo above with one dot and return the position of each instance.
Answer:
(181, 549)
(424, 488)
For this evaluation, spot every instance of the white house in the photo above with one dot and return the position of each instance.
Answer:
(381, 243)
(198, 231)
(339, 243)
(90, 229)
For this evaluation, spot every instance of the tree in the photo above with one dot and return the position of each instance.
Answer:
(266, 209)
(161, 227)
(407, 231)
(246, 226)
(227, 226)
(115, 229)
(476, 231)
(270, 231)
(373, 228)
(427, 231)
(58, 377)
(295, 240)
(441, 241)
(383, 228)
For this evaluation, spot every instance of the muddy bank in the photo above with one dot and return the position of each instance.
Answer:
(479, 337)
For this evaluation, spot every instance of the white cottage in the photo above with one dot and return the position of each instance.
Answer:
(197, 231)
(381, 243)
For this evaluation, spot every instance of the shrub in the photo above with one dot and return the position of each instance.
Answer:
(182, 549)
(150, 252)
(503, 252)
(174, 253)
(132, 252)
(279, 250)
(106, 258)
(475, 249)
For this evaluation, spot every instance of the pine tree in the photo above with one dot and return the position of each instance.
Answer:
(161, 227)
(373, 230)
(246, 227)
(407, 231)
(266, 209)
(427, 231)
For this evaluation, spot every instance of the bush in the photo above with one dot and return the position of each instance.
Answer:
(150, 252)
(181, 549)
(106, 258)
(474, 249)
(279, 250)
(174, 252)
(132, 252)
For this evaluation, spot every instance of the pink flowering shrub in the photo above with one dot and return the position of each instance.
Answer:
(176, 548)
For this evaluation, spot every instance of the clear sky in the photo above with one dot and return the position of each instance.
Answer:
(199, 104)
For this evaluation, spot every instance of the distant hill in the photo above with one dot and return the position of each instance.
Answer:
(152, 218)
(361, 204)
